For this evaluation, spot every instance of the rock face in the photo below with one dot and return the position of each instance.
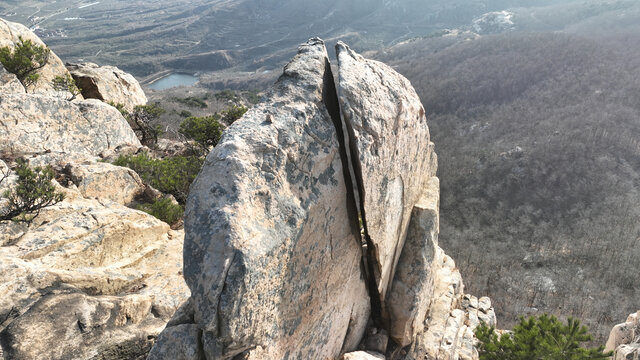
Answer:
(108, 83)
(9, 83)
(274, 259)
(624, 339)
(413, 285)
(88, 278)
(391, 153)
(36, 124)
(10, 34)
(426, 304)
(274, 253)
(106, 181)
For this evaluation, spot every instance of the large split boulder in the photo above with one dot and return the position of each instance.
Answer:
(624, 339)
(274, 253)
(31, 124)
(390, 152)
(273, 247)
(109, 84)
(10, 34)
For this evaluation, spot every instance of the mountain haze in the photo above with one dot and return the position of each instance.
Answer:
(150, 36)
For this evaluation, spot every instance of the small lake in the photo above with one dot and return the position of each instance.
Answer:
(173, 80)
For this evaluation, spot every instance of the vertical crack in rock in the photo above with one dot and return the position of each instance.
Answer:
(388, 142)
(285, 218)
(330, 99)
(355, 188)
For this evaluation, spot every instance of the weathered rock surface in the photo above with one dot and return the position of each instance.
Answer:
(391, 153)
(179, 342)
(106, 181)
(624, 339)
(10, 33)
(87, 278)
(274, 259)
(108, 83)
(448, 330)
(412, 288)
(37, 124)
(9, 83)
(363, 355)
(77, 326)
(426, 305)
(273, 253)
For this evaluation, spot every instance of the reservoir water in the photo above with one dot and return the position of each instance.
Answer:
(173, 80)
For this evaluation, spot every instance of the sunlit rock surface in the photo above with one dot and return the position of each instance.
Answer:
(624, 339)
(109, 84)
(391, 152)
(274, 256)
(88, 278)
(31, 124)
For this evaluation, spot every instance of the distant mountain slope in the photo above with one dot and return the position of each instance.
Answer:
(204, 35)
(537, 139)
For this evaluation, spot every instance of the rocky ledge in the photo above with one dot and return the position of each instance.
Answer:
(624, 339)
(89, 277)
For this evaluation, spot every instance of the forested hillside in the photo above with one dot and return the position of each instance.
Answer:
(537, 137)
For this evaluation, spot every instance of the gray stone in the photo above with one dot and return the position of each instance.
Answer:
(9, 83)
(37, 124)
(389, 134)
(273, 252)
(377, 342)
(109, 84)
(179, 342)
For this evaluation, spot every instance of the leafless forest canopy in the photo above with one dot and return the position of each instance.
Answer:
(539, 161)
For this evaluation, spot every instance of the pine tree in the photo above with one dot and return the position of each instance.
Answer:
(538, 338)
(25, 60)
(33, 192)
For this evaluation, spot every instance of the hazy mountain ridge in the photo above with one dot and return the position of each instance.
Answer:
(146, 37)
